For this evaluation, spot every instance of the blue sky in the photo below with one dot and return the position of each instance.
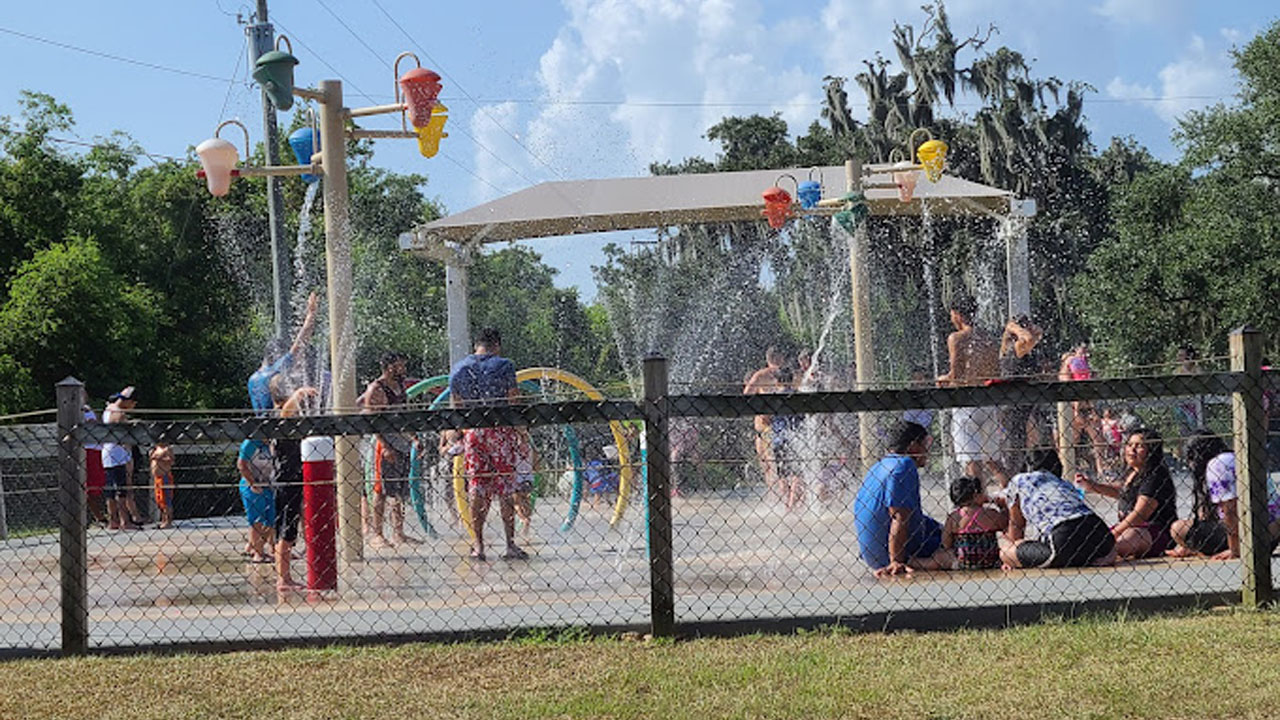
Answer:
(579, 89)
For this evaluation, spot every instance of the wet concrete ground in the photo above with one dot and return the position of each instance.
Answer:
(736, 558)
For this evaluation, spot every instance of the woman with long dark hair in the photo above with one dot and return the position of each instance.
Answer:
(1213, 528)
(1147, 498)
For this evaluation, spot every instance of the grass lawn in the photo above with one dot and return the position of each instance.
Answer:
(1201, 665)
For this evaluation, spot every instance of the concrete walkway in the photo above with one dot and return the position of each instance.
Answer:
(736, 558)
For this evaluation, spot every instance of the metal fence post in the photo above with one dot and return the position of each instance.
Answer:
(4, 518)
(1066, 438)
(1250, 429)
(662, 609)
(73, 545)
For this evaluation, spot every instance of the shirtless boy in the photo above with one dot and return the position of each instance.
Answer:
(974, 359)
(762, 382)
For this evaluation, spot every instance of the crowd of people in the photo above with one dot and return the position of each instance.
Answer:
(492, 457)
(497, 461)
(1012, 505)
(896, 536)
(1033, 517)
(991, 443)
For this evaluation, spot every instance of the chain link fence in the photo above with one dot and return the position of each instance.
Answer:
(784, 503)
(675, 513)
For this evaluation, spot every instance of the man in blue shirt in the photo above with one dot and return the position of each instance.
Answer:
(486, 379)
(894, 534)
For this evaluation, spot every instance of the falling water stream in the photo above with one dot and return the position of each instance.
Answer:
(308, 277)
(930, 272)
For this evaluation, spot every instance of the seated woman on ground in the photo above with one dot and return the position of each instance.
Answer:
(1147, 498)
(1070, 533)
(1213, 528)
(970, 530)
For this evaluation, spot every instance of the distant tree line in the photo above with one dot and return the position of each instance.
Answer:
(120, 269)
(1138, 256)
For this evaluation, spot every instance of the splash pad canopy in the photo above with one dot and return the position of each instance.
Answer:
(573, 207)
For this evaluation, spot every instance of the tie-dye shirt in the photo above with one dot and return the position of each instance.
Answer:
(1046, 500)
(1220, 481)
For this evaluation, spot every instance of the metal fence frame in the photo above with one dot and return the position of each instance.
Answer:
(1244, 383)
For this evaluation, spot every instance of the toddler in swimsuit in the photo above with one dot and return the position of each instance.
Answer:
(970, 530)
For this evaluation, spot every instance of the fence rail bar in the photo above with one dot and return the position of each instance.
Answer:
(201, 431)
(1002, 393)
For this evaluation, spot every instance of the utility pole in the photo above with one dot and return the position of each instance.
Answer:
(262, 40)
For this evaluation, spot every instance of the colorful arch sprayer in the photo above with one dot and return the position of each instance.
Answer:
(531, 381)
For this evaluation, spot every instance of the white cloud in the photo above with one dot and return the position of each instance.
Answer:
(711, 57)
(498, 159)
(1122, 90)
(1139, 12)
(857, 29)
(1200, 77)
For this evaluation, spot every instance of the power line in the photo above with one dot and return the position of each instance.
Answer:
(353, 33)
(773, 104)
(240, 56)
(466, 94)
(293, 37)
(110, 56)
(461, 129)
(226, 99)
(472, 173)
(572, 201)
(134, 150)
(524, 101)
(371, 98)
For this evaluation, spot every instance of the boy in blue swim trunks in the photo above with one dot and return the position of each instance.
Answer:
(258, 497)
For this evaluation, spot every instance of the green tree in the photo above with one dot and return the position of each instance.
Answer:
(1197, 251)
(399, 298)
(541, 325)
(39, 186)
(1026, 138)
(69, 312)
(17, 389)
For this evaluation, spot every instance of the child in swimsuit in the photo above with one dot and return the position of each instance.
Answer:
(970, 530)
(162, 477)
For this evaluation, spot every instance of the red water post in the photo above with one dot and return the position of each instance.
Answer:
(320, 512)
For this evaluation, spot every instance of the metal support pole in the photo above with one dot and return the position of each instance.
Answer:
(1250, 428)
(863, 351)
(455, 297)
(73, 544)
(1017, 266)
(342, 363)
(662, 605)
(262, 40)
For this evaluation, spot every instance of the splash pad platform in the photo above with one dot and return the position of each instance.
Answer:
(737, 560)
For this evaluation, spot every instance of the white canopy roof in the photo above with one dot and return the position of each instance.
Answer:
(589, 206)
